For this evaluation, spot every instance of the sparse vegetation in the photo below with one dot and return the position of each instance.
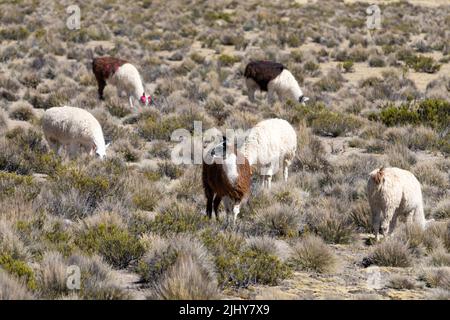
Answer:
(375, 101)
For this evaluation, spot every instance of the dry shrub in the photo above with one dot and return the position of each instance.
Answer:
(400, 282)
(391, 253)
(312, 254)
(178, 268)
(436, 277)
(12, 289)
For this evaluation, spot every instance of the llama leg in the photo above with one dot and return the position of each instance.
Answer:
(217, 200)
(271, 95)
(393, 223)
(130, 99)
(419, 217)
(209, 201)
(101, 86)
(376, 223)
(251, 87)
(386, 221)
(228, 207)
(53, 144)
(269, 181)
(236, 210)
(287, 163)
(73, 149)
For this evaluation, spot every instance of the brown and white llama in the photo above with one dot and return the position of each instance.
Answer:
(226, 175)
(274, 78)
(123, 75)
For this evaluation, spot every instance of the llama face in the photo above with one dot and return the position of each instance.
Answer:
(303, 100)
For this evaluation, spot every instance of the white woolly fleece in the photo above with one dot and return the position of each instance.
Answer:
(127, 78)
(69, 125)
(269, 142)
(286, 86)
(399, 193)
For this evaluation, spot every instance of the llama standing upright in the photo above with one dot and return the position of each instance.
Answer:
(226, 175)
(394, 193)
(121, 74)
(274, 78)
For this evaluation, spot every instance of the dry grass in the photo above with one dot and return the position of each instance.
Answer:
(371, 105)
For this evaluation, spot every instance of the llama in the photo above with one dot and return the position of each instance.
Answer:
(269, 142)
(225, 176)
(73, 127)
(274, 78)
(394, 193)
(121, 74)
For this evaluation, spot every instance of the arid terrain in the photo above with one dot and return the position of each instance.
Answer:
(134, 224)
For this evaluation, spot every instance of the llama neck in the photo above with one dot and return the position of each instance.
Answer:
(294, 87)
(138, 89)
(230, 168)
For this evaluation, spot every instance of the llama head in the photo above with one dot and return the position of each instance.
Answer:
(302, 99)
(101, 152)
(145, 100)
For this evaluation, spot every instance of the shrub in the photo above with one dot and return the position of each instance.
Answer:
(111, 239)
(400, 282)
(361, 215)
(440, 257)
(277, 220)
(23, 151)
(442, 209)
(227, 60)
(179, 268)
(376, 61)
(332, 82)
(12, 289)
(18, 268)
(312, 254)
(177, 217)
(16, 33)
(348, 66)
(74, 192)
(240, 266)
(391, 253)
(332, 226)
(437, 277)
(97, 281)
(21, 111)
(328, 123)
(52, 275)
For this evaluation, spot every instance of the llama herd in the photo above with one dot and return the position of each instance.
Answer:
(226, 175)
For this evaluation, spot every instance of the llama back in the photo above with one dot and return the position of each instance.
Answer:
(105, 67)
(262, 72)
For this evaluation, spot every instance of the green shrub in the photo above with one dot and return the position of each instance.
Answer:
(434, 113)
(115, 243)
(177, 217)
(376, 62)
(10, 182)
(348, 66)
(25, 152)
(239, 266)
(17, 33)
(419, 63)
(227, 60)
(18, 268)
(329, 123)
